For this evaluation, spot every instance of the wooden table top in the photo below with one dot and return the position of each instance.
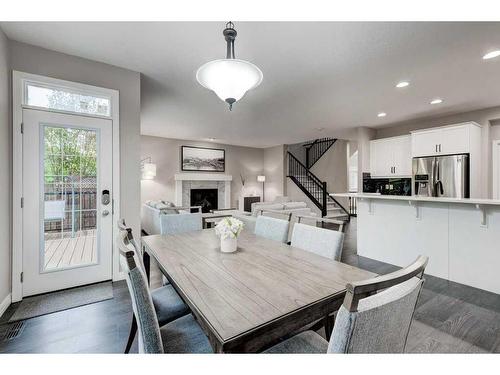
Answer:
(263, 281)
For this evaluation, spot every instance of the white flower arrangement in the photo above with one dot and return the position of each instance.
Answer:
(229, 227)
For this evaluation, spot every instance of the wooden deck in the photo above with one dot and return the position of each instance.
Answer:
(71, 252)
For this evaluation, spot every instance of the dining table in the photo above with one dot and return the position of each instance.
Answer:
(247, 300)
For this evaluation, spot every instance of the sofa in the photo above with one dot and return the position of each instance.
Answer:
(151, 211)
(281, 204)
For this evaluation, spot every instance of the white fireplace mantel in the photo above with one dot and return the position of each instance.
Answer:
(184, 180)
(202, 177)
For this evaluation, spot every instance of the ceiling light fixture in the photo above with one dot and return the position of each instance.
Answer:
(229, 78)
(402, 84)
(382, 114)
(491, 55)
(437, 101)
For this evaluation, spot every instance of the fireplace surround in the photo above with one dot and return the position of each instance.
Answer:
(185, 182)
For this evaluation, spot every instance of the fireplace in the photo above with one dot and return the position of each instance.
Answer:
(206, 198)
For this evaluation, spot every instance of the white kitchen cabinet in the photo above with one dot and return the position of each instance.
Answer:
(390, 157)
(448, 140)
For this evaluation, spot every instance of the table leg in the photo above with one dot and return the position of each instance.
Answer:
(146, 260)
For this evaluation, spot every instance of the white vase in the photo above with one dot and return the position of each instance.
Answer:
(228, 245)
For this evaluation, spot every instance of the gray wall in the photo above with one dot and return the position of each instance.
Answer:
(486, 118)
(31, 59)
(332, 168)
(5, 169)
(165, 153)
(274, 170)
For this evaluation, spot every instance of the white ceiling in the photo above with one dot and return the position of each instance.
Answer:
(332, 75)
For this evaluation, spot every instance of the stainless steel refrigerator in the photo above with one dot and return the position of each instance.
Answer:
(442, 176)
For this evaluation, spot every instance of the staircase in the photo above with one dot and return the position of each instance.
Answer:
(316, 149)
(315, 190)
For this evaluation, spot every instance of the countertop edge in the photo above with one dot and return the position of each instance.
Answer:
(492, 202)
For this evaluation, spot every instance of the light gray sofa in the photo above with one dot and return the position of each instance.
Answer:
(151, 211)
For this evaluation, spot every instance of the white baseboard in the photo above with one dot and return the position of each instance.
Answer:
(5, 304)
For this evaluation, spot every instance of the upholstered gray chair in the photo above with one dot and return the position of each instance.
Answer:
(272, 228)
(367, 322)
(167, 303)
(325, 242)
(182, 335)
(181, 223)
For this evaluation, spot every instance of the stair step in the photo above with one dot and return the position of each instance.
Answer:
(333, 209)
(338, 216)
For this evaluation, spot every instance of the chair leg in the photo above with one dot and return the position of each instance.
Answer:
(329, 323)
(131, 336)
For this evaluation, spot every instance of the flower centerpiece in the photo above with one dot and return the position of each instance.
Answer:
(228, 230)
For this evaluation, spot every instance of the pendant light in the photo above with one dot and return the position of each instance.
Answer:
(229, 78)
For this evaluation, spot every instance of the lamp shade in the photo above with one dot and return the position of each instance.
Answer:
(261, 178)
(230, 79)
(148, 171)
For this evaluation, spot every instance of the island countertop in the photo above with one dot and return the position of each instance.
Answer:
(415, 198)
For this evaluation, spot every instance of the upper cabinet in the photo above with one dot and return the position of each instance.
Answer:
(447, 140)
(390, 157)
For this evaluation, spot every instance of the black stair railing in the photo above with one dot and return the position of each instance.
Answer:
(316, 149)
(315, 189)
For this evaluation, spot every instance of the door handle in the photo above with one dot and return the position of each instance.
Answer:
(439, 147)
(105, 213)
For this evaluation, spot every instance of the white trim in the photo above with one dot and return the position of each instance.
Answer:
(202, 177)
(18, 96)
(5, 304)
(496, 169)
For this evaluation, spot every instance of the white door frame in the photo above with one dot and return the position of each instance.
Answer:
(496, 169)
(18, 104)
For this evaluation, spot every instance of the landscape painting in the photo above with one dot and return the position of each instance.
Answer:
(203, 159)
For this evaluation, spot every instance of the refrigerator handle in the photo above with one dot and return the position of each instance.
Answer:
(438, 185)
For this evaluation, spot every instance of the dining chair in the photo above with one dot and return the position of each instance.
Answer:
(375, 317)
(325, 242)
(182, 335)
(167, 303)
(272, 228)
(180, 223)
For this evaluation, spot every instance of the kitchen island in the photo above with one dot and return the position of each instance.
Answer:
(460, 236)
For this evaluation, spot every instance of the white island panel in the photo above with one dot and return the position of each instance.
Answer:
(461, 237)
(396, 232)
(475, 248)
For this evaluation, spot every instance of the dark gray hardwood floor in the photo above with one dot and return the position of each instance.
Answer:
(450, 318)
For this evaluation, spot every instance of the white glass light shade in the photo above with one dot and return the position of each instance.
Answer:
(229, 78)
(261, 178)
(148, 171)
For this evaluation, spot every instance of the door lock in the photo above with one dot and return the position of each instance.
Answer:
(105, 197)
(105, 213)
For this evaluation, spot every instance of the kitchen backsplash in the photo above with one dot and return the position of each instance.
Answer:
(386, 186)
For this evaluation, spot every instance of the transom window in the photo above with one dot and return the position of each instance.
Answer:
(62, 99)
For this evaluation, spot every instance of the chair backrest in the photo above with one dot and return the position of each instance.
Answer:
(325, 242)
(378, 323)
(173, 224)
(272, 228)
(148, 328)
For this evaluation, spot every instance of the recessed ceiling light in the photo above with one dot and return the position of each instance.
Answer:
(382, 114)
(320, 129)
(437, 101)
(402, 84)
(211, 139)
(491, 55)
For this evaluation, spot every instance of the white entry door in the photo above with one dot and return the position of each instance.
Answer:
(67, 205)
